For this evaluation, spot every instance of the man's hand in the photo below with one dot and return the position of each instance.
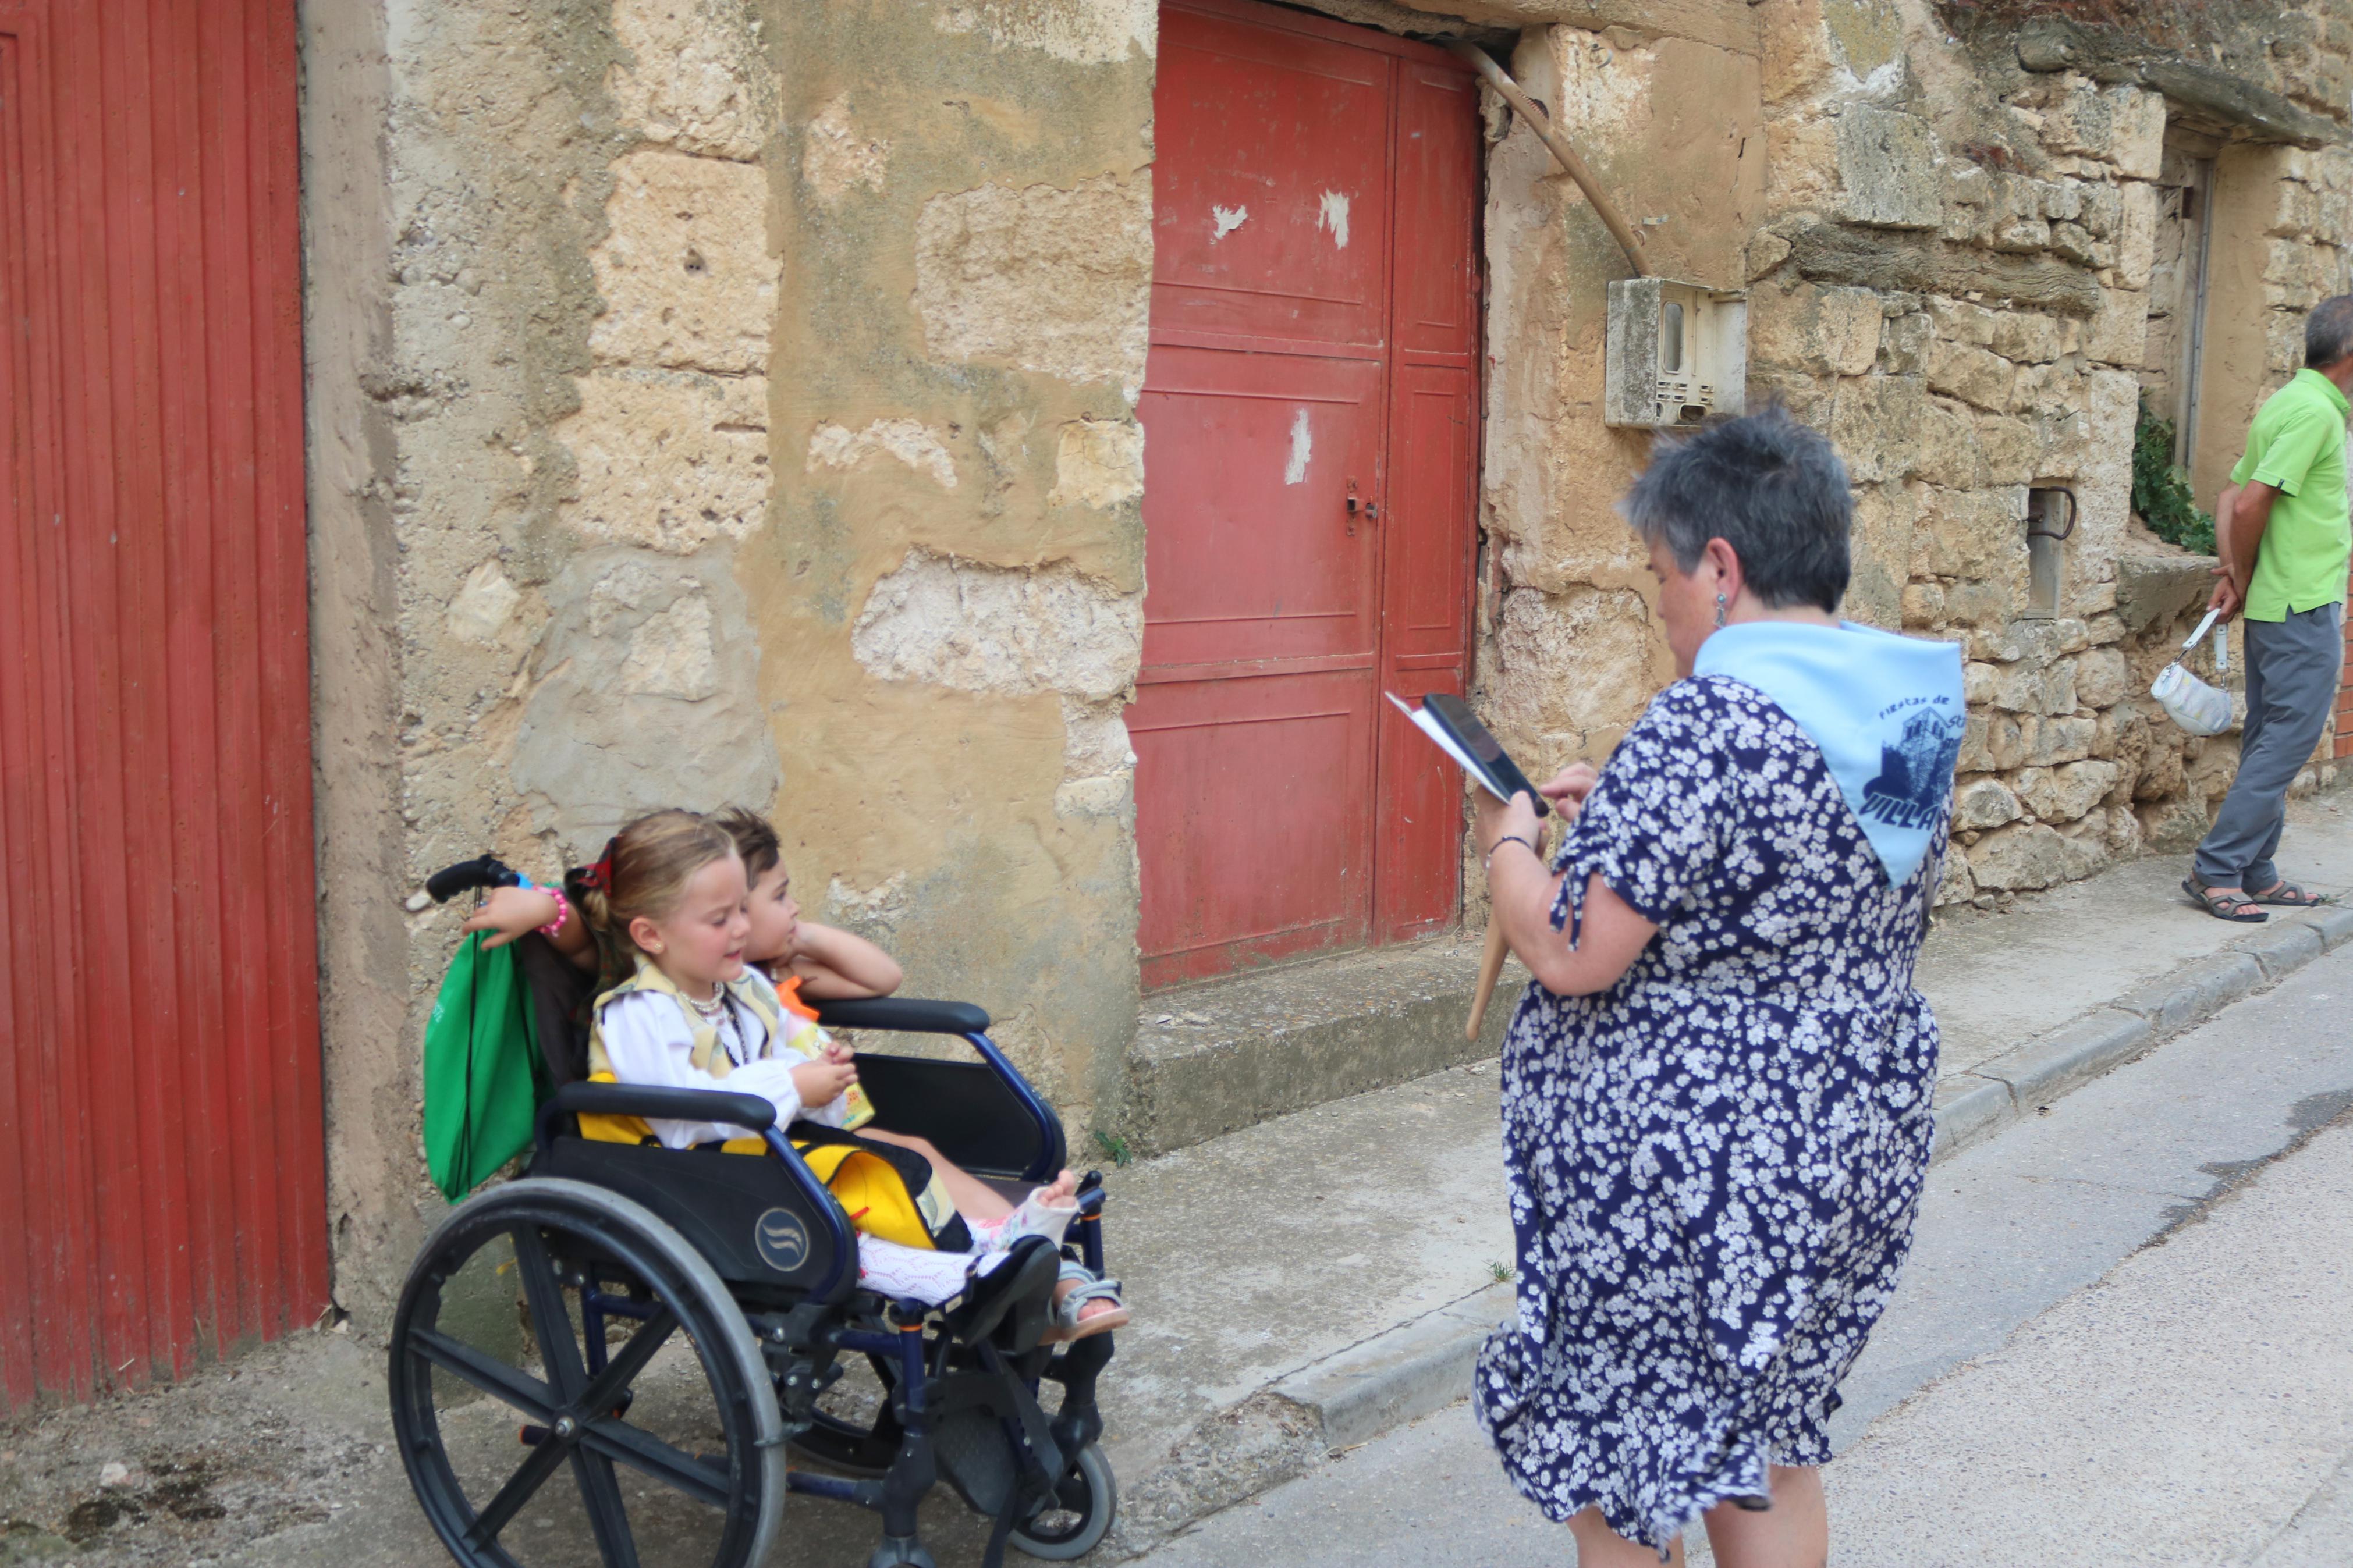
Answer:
(821, 1083)
(2226, 599)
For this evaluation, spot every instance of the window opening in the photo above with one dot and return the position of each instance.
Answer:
(2050, 519)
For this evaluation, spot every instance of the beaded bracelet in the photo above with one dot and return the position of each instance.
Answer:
(562, 910)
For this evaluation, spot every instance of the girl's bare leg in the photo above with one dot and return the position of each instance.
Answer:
(1795, 1532)
(1598, 1546)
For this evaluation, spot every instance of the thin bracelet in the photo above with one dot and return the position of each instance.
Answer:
(1488, 864)
(562, 910)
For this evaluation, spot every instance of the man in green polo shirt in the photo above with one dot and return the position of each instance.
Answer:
(2289, 542)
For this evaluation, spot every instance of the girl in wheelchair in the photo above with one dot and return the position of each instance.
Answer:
(702, 965)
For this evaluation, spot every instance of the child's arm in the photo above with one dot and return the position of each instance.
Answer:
(836, 966)
(513, 913)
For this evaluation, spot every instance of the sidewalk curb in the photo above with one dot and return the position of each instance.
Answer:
(1420, 1367)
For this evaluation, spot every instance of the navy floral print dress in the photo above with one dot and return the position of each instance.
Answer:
(1713, 1165)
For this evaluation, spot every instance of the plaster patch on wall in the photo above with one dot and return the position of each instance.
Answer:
(1225, 220)
(477, 612)
(1302, 450)
(1084, 32)
(975, 627)
(909, 440)
(1095, 738)
(1043, 277)
(647, 695)
(1567, 666)
(1332, 216)
(696, 81)
(874, 912)
(837, 155)
(668, 459)
(671, 654)
(684, 268)
(1097, 463)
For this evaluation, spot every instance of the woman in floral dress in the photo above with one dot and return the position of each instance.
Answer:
(1716, 1095)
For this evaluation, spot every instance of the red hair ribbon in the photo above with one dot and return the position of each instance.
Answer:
(599, 876)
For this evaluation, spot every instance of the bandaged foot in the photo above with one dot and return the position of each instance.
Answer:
(1046, 1212)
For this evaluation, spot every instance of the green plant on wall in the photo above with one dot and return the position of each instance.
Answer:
(2160, 490)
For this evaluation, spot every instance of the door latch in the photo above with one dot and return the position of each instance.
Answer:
(1367, 509)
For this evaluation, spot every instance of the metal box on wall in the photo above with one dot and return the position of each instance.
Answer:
(1677, 352)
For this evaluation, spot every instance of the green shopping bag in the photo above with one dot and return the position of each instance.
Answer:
(483, 1080)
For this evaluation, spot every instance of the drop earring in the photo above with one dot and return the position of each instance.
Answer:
(1719, 611)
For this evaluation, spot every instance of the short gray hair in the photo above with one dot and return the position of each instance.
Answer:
(1769, 486)
(2328, 331)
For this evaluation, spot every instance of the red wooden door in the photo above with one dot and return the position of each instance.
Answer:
(161, 1179)
(1311, 417)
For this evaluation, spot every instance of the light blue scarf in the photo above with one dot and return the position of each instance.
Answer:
(1886, 711)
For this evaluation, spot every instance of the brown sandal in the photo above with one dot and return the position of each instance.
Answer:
(2234, 907)
(2287, 895)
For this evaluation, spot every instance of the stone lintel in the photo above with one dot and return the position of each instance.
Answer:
(1830, 253)
(2236, 104)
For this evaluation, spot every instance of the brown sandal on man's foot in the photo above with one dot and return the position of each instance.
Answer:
(2287, 895)
(2234, 907)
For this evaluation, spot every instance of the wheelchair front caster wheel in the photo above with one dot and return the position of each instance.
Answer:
(1076, 1518)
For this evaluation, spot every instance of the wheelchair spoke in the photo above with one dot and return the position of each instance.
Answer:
(492, 1377)
(551, 1321)
(606, 1516)
(641, 1450)
(622, 1370)
(518, 1491)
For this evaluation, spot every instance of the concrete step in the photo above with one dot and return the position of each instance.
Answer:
(1214, 1057)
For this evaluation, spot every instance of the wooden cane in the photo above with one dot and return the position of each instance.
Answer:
(1491, 962)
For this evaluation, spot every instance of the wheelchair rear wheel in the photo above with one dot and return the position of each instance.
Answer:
(1079, 1514)
(668, 1422)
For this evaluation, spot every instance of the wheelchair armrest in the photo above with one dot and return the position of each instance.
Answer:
(908, 1015)
(752, 1112)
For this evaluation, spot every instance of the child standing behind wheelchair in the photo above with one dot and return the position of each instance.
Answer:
(702, 965)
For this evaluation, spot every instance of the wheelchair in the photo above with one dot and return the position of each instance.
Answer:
(692, 1317)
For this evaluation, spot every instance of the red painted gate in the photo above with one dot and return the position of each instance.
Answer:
(1311, 413)
(161, 1182)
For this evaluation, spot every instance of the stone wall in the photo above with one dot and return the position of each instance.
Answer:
(1949, 259)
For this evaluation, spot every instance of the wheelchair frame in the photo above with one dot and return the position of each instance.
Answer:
(756, 1261)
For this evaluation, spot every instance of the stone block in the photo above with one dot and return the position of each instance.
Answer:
(2074, 242)
(1874, 424)
(1960, 321)
(2300, 273)
(1990, 742)
(2173, 826)
(1828, 330)
(2011, 448)
(2101, 676)
(2062, 200)
(669, 459)
(2194, 993)
(2045, 1070)
(2026, 335)
(2135, 236)
(1969, 533)
(2019, 858)
(1924, 605)
(2296, 211)
(2031, 687)
(2066, 792)
(1950, 453)
(2137, 144)
(1966, 184)
(1888, 168)
(1972, 375)
(1990, 601)
(2119, 334)
(684, 268)
(2046, 741)
(1904, 345)
(2284, 947)
(1982, 802)
(1046, 278)
(691, 76)
(1097, 463)
(2103, 207)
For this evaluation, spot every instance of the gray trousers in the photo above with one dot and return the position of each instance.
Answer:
(2293, 668)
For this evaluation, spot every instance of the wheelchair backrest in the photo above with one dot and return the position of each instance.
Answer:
(560, 994)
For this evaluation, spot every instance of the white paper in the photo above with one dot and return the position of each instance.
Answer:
(1428, 727)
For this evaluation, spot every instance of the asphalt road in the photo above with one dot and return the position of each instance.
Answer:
(2125, 1335)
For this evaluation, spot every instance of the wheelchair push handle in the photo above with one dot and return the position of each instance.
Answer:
(482, 871)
